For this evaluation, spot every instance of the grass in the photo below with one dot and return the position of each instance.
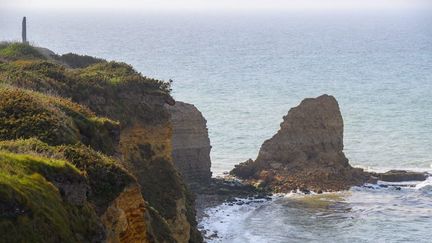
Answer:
(26, 114)
(43, 125)
(106, 179)
(78, 61)
(111, 89)
(26, 67)
(31, 207)
(15, 50)
(19, 164)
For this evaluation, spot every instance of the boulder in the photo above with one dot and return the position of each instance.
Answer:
(306, 153)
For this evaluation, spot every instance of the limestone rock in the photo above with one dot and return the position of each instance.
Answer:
(307, 151)
(190, 142)
(144, 130)
(124, 219)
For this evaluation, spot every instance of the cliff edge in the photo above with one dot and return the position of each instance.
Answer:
(190, 143)
(109, 125)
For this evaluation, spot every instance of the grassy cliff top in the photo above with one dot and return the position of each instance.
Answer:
(111, 89)
(105, 177)
(34, 121)
(31, 206)
(15, 50)
(20, 61)
(54, 120)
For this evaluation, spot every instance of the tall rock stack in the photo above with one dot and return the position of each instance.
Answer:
(190, 143)
(306, 153)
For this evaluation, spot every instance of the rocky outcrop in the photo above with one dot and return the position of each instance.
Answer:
(125, 218)
(306, 153)
(147, 152)
(190, 143)
(145, 149)
(136, 106)
(401, 175)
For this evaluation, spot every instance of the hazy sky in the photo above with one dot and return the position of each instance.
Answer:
(152, 5)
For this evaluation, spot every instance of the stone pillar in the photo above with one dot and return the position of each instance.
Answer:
(191, 143)
(24, 30)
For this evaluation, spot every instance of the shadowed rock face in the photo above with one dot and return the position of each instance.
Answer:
(313, 128)
(306, 153)
(190, 142)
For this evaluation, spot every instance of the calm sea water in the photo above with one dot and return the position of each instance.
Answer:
(245, 71)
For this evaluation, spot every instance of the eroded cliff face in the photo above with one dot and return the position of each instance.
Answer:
(137, 105)
(145, 149)
(125, 218)
(306, 153)
(190, 143)
(146, 152)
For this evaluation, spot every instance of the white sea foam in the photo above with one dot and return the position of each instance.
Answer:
(425, 185)
(226, 221)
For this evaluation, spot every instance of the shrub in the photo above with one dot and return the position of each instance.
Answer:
(26, 114)
(78, 61)
(105, 177)
(16, 50)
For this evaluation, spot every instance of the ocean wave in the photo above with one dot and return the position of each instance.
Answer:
(425, 185)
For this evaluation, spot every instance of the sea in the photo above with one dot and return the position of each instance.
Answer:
(245, 70)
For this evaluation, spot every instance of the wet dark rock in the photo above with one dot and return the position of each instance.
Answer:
(401, 175)
(225, 190)
(368, 186)
(305, 191)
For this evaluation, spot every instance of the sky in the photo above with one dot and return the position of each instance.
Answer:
(182, 5)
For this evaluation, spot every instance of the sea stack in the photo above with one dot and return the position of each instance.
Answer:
(190, 143)
(306, 153)
(24, 30)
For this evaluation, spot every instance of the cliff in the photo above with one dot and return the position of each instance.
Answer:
(306, 153)
(153, 205)
(190, 142)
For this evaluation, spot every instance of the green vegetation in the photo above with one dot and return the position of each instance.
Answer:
(27, 67)
(14, 51)
(117, 73)
(21, 164)
(26, 114)
(160, 170)
(106, 179)
(31, 206)
(46, 141)
(78, 61)
(99, 84)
